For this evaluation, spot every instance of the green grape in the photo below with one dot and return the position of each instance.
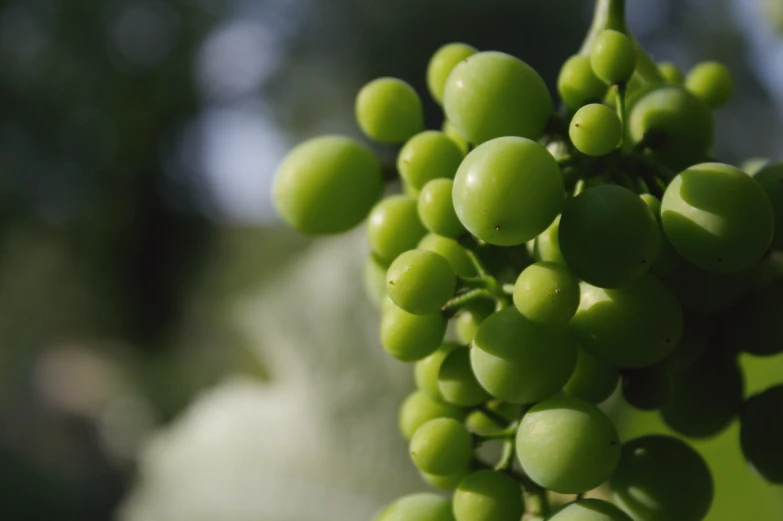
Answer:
(770, 177)
(492, 94)
(483, 425)
(608, 236)
(547, 293)
(613, 57)
(696, 335)
(589, 510)
(712, 82)
(761, 430)
(647, 388)
(420, 281)
(424, 506)
(661, 478)
(520, 361)
(592, 380)
(456, 381)
(754, 323)
(679, 124)
(441, 446)
(389, 110)
(488, 495)
(668, 257)
(410, 337)
(394, 227)
(546, 247)
(436, 209)
(671, 73)
(508, 190)
(458, 138)
(567, 445)
(426, 370)
(577, 84)
(595, 130)
(705, 397)
(470, 318)
(717, 217)
(631, 327)
(450, 250)
(375, 279)
(442, 63)
(449, 482)
(426, 156)
(419, 408)
(311, 190)
(706, 292)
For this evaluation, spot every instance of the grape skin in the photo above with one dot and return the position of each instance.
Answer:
(488, 495)
(419, 408)
(442, 446)
(389, 110)
(442, 63)
(613, 57)
(423, 506)
(426, 156)
(394, 227)
(420, 281)
(589, 510)
(595, 130)
(410, 337)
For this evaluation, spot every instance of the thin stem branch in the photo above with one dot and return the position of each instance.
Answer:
(477, 264)
(620, 90)
(492, 415)
(456, 303)
(507, 456)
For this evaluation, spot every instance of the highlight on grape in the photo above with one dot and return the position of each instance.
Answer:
(529, 257)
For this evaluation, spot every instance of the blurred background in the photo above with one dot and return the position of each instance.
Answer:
(169, 350)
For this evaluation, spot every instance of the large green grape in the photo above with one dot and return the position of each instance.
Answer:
(577, 84)
(593, 380)
(410, 337)
(508, 190)
(595, 130)
(589, 510)
(492, 94)
(488, 495)
(608, 236)
(424, 506)
(567, 445)
(426, 156)
(456, 381)
(683, 125)
(426, 370)
(420, 281)
(717, 217)
(761, 431)
(755, 323)
(613, 57)
(712, 82)
(442, 63)
(394, 227)
(547, 293)
(441, 446)
(770, 177)
(389, 110)
(631, 327)
(661, 478)
(419, 408)
(520, 361)
(436, 209)
(450, 250)
(327, 185)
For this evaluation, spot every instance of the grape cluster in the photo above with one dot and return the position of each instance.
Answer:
(533, 258)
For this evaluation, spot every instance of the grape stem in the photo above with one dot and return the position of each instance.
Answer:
(507, 456)
(620, 90)
(479, 267)
(454, 304)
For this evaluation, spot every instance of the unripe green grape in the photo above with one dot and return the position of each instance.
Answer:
(547, 293)
(681, 123)
(449, 482)
(389, 110)
(442, 63)
(426, 370)
(424, 506)
(450, 250)
(508, 190)
(661, 478)
(712, 82)
(426, 156)
(668, 258)
(754, 323)
(770, 177)
(595, 130)
(311, 185)
(456, 381)
(589, 510)
(705, 397)
(717, 217)
(408, 337)
(375, 279)
(593, 380)
(630, 327)
(520, 361)
(567, 445)
(436, 209)
(470, 318)
(613, 57)
(394, 227)
(761, 429)
(647, 388)
(458, 138)
(706, 292)
(577, 84)
(420, 281)
(419, 408)
(608, 236)
(483, 425)
(488, 495)
(493, 94)
(671, 73)
(546, 247)
(441, 446)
